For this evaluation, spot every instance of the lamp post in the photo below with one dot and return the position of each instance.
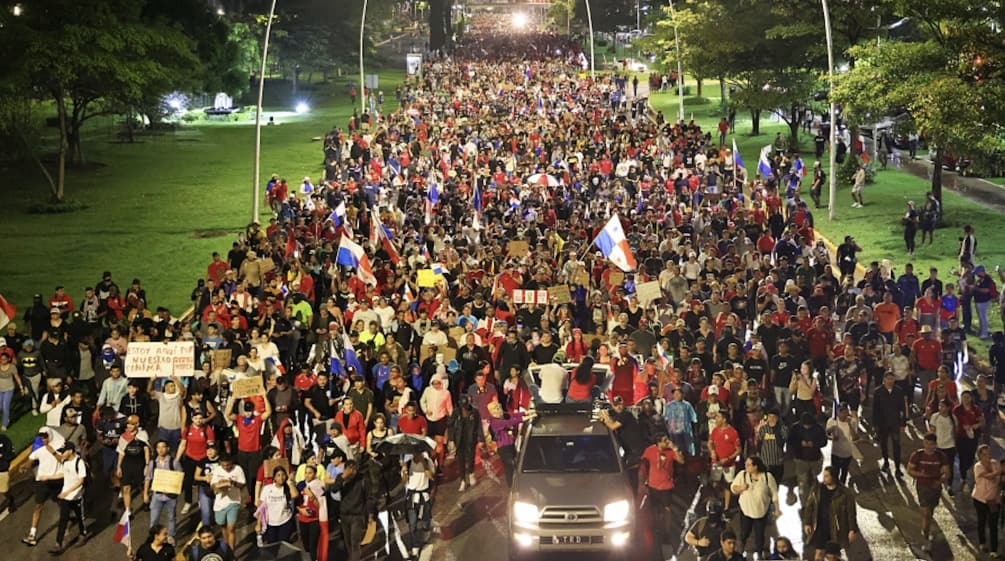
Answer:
(832, 185)
(258, 115)
(362, 77)
(680, 72)
(589, 20)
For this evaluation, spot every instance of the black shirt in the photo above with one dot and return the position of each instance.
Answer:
(320, 401)
(146, 553)
(783, 367)
(629, 435)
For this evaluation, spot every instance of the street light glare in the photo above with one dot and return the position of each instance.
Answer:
(519, 20)
(302, 107)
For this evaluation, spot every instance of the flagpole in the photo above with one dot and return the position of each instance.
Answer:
(832, 195)
(258, 115)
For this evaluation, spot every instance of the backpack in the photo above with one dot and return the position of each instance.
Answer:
(220, 544)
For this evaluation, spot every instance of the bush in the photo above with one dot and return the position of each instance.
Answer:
(697, 100)
(51, 206)
(846, 171)
(193, 116)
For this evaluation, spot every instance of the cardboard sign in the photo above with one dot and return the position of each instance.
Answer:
(521, 296)
(160, 360)
(220, 359)
(167, 481)
(517, 248)
(648, 291)
(582, 278)
(271, 465)
(247, 387)
(267, 265)
(426, 351)
(559, 294)
(426, 278)
(617, 278)
(456, 334)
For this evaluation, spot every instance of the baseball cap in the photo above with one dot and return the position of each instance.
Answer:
(713, 390)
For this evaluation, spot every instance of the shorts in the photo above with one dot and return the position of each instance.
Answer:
(227, 516)
(132, 476)
(438, 428)
(47, 491)
(719, 473)
(4, 481)
(929, 497)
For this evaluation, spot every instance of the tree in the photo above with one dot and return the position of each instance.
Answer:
(90, 59)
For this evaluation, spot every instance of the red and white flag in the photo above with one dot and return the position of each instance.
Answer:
(7, 312)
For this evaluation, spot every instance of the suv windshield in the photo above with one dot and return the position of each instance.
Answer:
(567, 453)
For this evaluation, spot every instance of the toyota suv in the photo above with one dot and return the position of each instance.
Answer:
(570, 491)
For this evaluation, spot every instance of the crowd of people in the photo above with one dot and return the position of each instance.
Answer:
(408, 292)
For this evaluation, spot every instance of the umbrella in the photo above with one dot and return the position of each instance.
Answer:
(281, 551)
(543, 179)
(403, 444)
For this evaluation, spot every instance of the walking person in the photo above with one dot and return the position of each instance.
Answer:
(858, 184)
(987, 499)
(942, 423)
(656, 482)
(911, 222)
(829, 515)
(929, 217)
(134, 457)
(806, 442)
(10, 380)
(930, 469)
(819, 178)
(704, 534)
(502, 431)
(73, 473)
(770, 442)
(969, 424)
(464, 433)
(757, 492)
(277, 500)
(889, 417)
(48, 484)
(227, 481)
(843, 432)
(161, 502)
(156, 547)
(417, 474)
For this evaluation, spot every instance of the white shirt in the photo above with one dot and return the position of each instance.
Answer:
(277, 508)
(554, 379)
(754, 502)
(74, 471)
(945, 430)
(230, 495)
(47, 463)
(840, 432)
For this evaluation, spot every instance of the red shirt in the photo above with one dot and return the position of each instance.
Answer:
(660, 467)
(196, 440)
(249, 433)
(930, 466)
(411, 426)
(818, 341)
(725, 441)
(928, 353)
(353, 427)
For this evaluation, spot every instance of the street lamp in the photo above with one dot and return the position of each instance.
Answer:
(680, 73)
(258, 114)
(832, 195)
(362, 77)
(589, 20)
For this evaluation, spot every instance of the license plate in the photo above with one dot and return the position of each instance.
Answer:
(569, 540)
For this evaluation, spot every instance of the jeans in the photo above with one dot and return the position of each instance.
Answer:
(353, 529)
(982, 319)
(968, 313)
(782, 399)
(756, 526)
(163, 503)
(205, 506)
(5, 399)
(987, 520)
(840, 466)
(884, 434)
(806, 475)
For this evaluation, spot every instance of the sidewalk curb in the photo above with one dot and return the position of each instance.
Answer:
(21, 458)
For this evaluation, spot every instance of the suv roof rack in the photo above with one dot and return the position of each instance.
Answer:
(564, 408)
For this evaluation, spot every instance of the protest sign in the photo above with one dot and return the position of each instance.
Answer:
(247, 387)
(160, 360)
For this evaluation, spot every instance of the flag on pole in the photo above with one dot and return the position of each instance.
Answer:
(374, 227)
(407, 295)
(291, 242)
(737, 160)
(763, 165)
(351, 254)
(8, 312)
(338, 215)
(614, 245)
(476, 203)
(799, 167)
(432, 198)
(122, 532)
(350, 354)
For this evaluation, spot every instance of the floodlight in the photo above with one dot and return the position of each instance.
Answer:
(302, 107)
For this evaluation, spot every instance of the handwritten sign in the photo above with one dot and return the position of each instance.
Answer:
(160, 360)
(247, 387)
(267, 265)
(220, 359)
(582, 278)
(426, 278)
(648, 291)
(167, 481)
(617, 278)
(517, 248)
(559, 294)
(521, 296)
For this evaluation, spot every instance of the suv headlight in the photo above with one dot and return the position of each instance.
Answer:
(526, 512)
(617, 511)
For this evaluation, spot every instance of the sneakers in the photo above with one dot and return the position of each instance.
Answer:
(464, 485)
(471, 479)
(59, 549)
(186, 508)
(34, 412)
(30, 540)
(899, 474)
(886, 465)
(259, 541)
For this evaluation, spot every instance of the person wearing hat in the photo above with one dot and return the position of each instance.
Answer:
(926, 356)
(72, 476)
(704, 534)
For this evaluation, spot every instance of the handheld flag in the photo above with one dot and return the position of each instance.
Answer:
(122, 531)
(476, 203)
(614, 245)
(799, 167)
(737, 160)
(350, 254)
(7, 312)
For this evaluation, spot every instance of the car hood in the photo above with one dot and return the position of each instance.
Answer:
(570, 489)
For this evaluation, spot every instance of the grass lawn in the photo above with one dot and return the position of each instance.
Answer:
(158, 208)
(877, 227)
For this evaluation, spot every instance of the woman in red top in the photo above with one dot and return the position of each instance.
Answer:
(969, 423)
(582, 382)
(308, 512)
(577, 348)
